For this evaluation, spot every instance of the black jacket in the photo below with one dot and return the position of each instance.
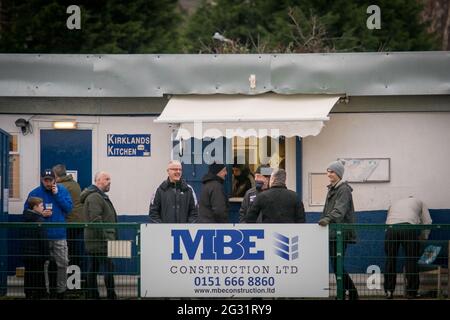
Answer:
(174, 203)
(213, 204)
(35, 241)
(247, 202)
(277, 205)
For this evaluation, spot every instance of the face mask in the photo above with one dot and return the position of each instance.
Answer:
(259, 185)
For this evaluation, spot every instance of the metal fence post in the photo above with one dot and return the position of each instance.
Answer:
(340, 262)
(138, 243)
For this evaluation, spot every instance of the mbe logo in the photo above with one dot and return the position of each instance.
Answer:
(285, 247)
(223, 244)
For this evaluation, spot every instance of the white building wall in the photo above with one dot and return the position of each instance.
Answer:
(134, 179)
(418, 145)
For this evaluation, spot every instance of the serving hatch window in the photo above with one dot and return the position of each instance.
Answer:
(248, 154)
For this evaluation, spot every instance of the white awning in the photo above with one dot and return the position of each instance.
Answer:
(262, 115)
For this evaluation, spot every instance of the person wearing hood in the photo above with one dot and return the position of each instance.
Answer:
(98, 208)
(57, 199)
(242, 180)
(75, 236)
(213, 204)
(262, 178)
(339, 209)
(278, 204)
(174, 201)
(35, 249)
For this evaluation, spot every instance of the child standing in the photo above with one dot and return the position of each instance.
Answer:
(35, 249)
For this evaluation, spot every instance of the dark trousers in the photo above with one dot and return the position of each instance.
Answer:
(34, 279)
(348, 282)
(52, 273)
(107, 264)
(75, 244)
(408, 239)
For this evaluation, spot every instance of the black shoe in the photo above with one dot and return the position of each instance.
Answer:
(111, 296)
(61, 295)
(412, 295)
(389, 295)
(353, 295)
(92, 295)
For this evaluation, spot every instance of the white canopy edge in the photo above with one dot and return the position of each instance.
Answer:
(263, 115)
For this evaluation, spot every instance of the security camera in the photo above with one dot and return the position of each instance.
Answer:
(23, 124)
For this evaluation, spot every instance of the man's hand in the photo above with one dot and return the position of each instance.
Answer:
(47, 213)
(323, 222)
(422, 237)
(55, 188)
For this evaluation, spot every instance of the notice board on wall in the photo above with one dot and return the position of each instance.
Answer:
(318, 188)
(367, 170)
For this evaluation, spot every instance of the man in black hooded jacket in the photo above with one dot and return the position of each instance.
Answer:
(213, 204)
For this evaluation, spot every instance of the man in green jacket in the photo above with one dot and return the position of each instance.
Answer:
(98, 208)
(75, 237)
(339, 209)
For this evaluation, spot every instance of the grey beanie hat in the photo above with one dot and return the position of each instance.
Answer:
(338, 167)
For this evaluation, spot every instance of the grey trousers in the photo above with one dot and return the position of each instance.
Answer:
(58, 252)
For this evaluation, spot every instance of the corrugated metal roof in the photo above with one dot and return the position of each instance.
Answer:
(354, 74)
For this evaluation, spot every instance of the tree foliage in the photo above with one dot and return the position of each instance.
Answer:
(245, 26)
(107, 26)
(306, 26)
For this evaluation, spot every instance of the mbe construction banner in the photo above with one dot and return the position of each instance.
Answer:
(226, 260)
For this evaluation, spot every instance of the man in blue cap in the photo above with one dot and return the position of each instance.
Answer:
(57, 199)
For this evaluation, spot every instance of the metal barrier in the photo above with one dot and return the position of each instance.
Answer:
(97, 268)
(391, 261)
(375, 262)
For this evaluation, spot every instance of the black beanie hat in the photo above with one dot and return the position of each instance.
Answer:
(215, 168)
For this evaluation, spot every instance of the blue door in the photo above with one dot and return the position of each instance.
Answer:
(73, 148)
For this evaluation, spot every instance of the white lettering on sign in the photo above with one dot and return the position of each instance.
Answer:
(129, 145)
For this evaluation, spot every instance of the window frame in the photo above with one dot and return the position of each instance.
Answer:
(15, 153)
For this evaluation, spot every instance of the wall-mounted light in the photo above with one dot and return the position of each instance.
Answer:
(65, 125)
(24, 125)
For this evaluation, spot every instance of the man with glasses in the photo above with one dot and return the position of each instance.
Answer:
(174, 201)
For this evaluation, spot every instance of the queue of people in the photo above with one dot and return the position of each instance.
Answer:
(48, 251)
(267, 200)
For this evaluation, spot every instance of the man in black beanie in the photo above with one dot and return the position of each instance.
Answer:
(213, 204)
